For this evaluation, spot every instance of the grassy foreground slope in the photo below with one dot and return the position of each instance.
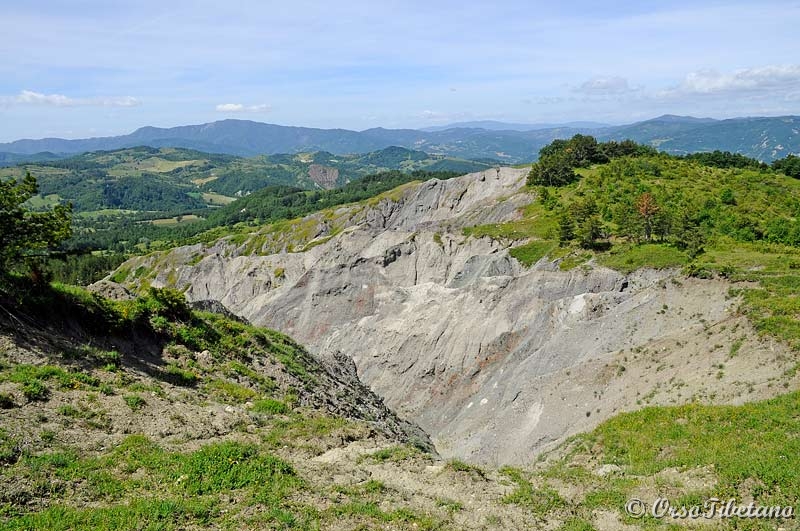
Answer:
(143, 414)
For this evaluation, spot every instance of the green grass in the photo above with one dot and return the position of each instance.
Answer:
(371, 510)
(630, 258)
(270, 406)
(180, 376)
(576, 524)
(573, 260)
(751, 442)
(394, 454)
(457, 465)
(172, 491)
(135, 402)
(153, 513)
(230, 392)
(10, 448)
(540, 501)
(32, 379)
(532, 252)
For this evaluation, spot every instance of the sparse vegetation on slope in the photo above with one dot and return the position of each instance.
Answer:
(217, 413)
(687, 454)
(715, 214)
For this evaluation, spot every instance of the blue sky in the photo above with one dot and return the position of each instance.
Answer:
(78, 68)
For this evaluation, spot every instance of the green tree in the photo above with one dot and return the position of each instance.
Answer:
(566, 228)
(584, 151)
(552, 170)
(24, 233)
(789, 165)
(590, 230)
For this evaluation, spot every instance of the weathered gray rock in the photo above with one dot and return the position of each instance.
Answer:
(496, 362)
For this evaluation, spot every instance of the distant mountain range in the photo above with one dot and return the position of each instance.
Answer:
(492, 125)
(762, 138)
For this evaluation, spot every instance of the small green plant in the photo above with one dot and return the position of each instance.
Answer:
(68, 410)
(47, 436)
(456, 465)
(135, 402)
(541, 501)
(35, 390)
(9, 448)
(271, 406)
(576, 524)
(231, 392)
(179, 376)
(279, 272)
(393, 454)
(451, 506)
(735, 346)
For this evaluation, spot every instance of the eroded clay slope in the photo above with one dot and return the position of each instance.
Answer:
(496, 362)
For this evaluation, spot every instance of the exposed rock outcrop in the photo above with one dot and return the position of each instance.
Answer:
(325, 176)
(496, 362)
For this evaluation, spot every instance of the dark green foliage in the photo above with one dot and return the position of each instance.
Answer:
(726, 197)
(35, 390)
(566, 227)
(552, 170)
(725, 159)
(23, 232)
(626, 148)
(589, 231)
(789, 165)
(145, 192)
(558, 159)
(667, 200)
(81, 269)
(9, 448)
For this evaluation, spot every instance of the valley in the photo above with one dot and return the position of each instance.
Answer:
(495, 360)
(444, 352)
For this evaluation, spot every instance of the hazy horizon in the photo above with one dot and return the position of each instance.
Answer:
(90, 69)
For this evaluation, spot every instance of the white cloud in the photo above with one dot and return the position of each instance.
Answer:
(766, 79)
(29, 97)
(239, 107)
(605, 86)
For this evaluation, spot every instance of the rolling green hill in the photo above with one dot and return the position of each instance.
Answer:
(174, 180)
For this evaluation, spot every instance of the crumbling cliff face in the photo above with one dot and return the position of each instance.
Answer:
(495, 361)
(325, 176)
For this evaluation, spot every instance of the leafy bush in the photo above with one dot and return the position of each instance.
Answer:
(180, 376)
(35, 390)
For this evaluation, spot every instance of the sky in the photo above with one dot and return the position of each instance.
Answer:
(82, 68)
